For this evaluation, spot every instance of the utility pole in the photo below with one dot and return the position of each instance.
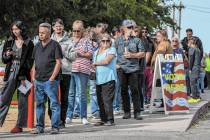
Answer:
(180, 7)
(174, 7)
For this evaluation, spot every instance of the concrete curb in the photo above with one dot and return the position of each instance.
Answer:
(202, 110)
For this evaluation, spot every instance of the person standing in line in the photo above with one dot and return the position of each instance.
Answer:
(16, 54)
(129, 50)
(69, 55)
(207, 69)
(194, 70)
(80, 72)
(47, 57)
(106, 76)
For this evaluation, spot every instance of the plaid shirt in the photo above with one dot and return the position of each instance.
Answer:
(133, 45)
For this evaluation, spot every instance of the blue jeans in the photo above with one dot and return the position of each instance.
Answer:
(93, 97)
(78, 85)
(201, 80)
(117, 97)
(42, 91)
(76, 105)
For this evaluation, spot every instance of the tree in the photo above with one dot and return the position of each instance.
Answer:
(151, 13)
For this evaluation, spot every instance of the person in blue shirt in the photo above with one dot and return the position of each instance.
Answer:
(105, 65)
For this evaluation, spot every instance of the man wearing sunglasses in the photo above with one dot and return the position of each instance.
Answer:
(129, 51)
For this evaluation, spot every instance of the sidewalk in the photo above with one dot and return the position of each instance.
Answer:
(152, 125)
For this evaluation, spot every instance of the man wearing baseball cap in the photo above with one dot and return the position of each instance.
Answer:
(129, 51)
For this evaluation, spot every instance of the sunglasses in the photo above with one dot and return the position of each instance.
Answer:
(104, 41)
(174, 40)
(76, 31)
(144, 32)
(130, 27)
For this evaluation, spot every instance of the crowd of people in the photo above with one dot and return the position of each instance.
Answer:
(116, 68)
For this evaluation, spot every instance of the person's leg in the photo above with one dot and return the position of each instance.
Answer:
(108, 90)
(71, 96)
(208, 80)
(103, 115)
(202, 77)
(93, 98)
(141, 90)
(22, 110)
(148, 81)
(134, 84)
(51, 89)
(40, 104)
(188, 82)
(193, 83)
(64, 85)
(76, 106)
(82, 86)
(117, 97)
(124, 94)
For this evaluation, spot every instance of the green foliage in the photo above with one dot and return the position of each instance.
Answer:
(151, 13)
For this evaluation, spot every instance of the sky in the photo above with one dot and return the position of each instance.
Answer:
(196, 15)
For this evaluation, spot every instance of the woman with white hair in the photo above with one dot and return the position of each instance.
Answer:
(105, 63)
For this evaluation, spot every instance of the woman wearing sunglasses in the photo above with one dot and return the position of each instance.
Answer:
(105, 63)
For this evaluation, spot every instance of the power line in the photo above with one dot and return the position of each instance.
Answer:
(198, 10)
(199, 7)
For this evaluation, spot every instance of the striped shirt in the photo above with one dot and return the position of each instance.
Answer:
(82, 64)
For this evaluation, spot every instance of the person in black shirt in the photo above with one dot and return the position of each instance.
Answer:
(47, 56)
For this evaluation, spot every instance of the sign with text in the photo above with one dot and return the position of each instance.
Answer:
(173, 82)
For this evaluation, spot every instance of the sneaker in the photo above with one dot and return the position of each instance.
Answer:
(193, 100)
(85, 121)
(68, 120)
(202, 91)
(54, 131)
(37, 131)
(16, 130)
(61, 126)
(116, 112)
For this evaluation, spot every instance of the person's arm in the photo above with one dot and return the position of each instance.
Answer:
(33, 73)
(106, 61)
(56, 69)
(148, 56)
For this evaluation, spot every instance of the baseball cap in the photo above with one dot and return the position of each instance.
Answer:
(128, 23)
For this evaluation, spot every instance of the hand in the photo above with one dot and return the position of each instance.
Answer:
(127, 55)
(23, 83)
(8, 53)
(117, 66)
(51, 79)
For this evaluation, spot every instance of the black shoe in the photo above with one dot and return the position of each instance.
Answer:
(61, 126)
(202, 91)
(37, 131)
(75, 116)
(54, 131)
(137, 116)
(99, 124)
(109, 123)
(127, 116)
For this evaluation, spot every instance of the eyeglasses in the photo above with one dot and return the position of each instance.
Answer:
(76, 31)
(144, 32)
(130, 27)
(174, 40)
(104, 41)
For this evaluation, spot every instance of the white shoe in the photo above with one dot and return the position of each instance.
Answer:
(68, 120)
(85, 121)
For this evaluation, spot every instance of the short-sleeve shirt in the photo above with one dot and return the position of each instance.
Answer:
(105, 73)
(82, 64)
(133, 45)
(45, 59)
